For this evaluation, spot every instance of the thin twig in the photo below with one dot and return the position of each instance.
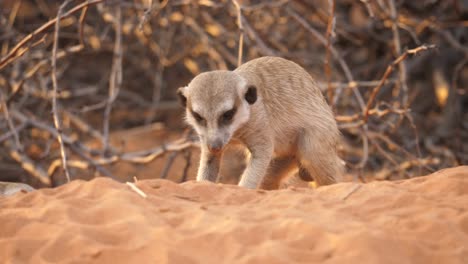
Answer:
(16, 51)
(416, 139)
(28, 165)
(84, 12)
(139, 157)
(241, 31)
(11, 126)
(451, 40)
(375, 111)
(349, 85)
(10, 133)
(153, 7)
(206, 40)
(115, 80)
(397, 44)
(188, 163)
(261, 45)
(456, 72)
(394, 146)
(387, 74)
(168, 165)
(74, 144)
(368, 7)
(353, 190)
(57, 121)
(90, 160)
(384, 153)
(156, 98)
(329, 35)
(34, 69)
(10, 22)
(81, 125)
(265, 4)
(44, 126)
(344, 66)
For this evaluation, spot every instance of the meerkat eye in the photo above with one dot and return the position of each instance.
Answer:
(197, 117)
(228, 115)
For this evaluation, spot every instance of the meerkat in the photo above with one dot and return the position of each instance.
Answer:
(276, 110)
(10, 188)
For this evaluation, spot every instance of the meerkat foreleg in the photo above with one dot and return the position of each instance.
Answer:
(209, 165)
(278, 169)
(260, 157)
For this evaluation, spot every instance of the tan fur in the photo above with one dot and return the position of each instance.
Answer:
(289, 125)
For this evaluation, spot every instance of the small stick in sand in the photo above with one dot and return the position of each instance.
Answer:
(136, 189)
(355, 188)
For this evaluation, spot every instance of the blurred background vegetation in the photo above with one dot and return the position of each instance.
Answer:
(118, 64)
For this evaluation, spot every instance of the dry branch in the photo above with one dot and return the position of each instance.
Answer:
(357, 37)
(397, 43)
(241, 31)
(387, 73)
(57, 121)
(28, 165)
(329, 35)
(16, 51)
(115, 79)
(11, 126)
(335, 54)
(139, 157)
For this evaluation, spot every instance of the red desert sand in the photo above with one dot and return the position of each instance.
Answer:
(421, 220)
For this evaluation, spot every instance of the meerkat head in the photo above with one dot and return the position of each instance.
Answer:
(217, 104)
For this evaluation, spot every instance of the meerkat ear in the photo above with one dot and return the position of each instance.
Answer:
(251, 94)
(181, 96)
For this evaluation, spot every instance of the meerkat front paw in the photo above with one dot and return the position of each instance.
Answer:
(248, 182)
(247, 185)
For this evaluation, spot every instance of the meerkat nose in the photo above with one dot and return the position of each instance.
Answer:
(215, 145)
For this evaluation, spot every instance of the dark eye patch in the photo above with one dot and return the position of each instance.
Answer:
(197, 117)
(227, 116)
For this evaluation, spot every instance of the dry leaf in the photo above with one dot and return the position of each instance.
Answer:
(441, 87)
(163, 22)
(192, 66)
(94, 42)
(176, 17)
(213, 30)
(108, 17)
(206, 3)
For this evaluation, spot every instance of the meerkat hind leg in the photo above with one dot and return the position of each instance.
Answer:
(278, 169)
(318, 161)
(304, 174)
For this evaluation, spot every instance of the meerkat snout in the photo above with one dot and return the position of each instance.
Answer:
(273, 107)
(215, 145)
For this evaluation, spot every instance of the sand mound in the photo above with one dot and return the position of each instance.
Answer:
(423, 220)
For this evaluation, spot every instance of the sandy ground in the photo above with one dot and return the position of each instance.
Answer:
(422, 220)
